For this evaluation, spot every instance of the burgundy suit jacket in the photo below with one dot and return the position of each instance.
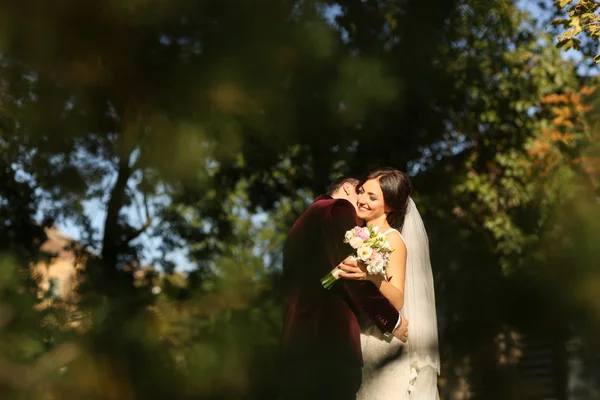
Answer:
(320, 322)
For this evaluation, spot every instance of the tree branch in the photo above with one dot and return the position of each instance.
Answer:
(138, 232)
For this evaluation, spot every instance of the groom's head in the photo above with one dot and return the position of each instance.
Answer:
(344, 188)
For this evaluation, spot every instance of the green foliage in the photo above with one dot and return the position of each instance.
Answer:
(209, 128)
(582, 17)
(227, 329)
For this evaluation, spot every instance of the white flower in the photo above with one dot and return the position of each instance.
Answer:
(156, 290)
(364, 253)
(382, 237)
(375, 229)
(349, 235)
(356, 242)
(375, 269)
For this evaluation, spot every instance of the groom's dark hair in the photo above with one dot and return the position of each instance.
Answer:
(338, 183)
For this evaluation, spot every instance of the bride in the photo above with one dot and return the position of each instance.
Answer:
(393, 370)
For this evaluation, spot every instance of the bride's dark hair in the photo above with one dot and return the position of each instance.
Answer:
(396, 187)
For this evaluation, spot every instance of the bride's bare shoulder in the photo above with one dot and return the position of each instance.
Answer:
(396, 241)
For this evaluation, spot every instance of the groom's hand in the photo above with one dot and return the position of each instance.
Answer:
(351, 268)
(401, 332)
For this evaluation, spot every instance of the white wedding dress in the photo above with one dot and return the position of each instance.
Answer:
(393, 370)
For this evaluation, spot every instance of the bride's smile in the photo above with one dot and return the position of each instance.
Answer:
(371, 205)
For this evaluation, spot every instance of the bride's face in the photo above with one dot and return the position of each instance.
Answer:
(371, 204)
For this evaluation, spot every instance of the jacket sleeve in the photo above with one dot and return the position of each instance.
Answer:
(364, 295)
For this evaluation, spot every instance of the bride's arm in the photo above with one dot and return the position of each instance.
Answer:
(393, 288)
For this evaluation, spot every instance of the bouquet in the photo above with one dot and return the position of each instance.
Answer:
(370, 247)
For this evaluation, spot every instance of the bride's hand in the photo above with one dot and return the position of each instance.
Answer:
(401, 332)
(353, 269)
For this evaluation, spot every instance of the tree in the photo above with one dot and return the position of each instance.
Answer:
(210, 119)
(582, 17)
(22, 331)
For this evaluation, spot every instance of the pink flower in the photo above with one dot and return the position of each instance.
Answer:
(363, 234)
(376, 257)
(356, 242)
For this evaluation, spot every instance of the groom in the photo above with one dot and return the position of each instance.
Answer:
(321, 336)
